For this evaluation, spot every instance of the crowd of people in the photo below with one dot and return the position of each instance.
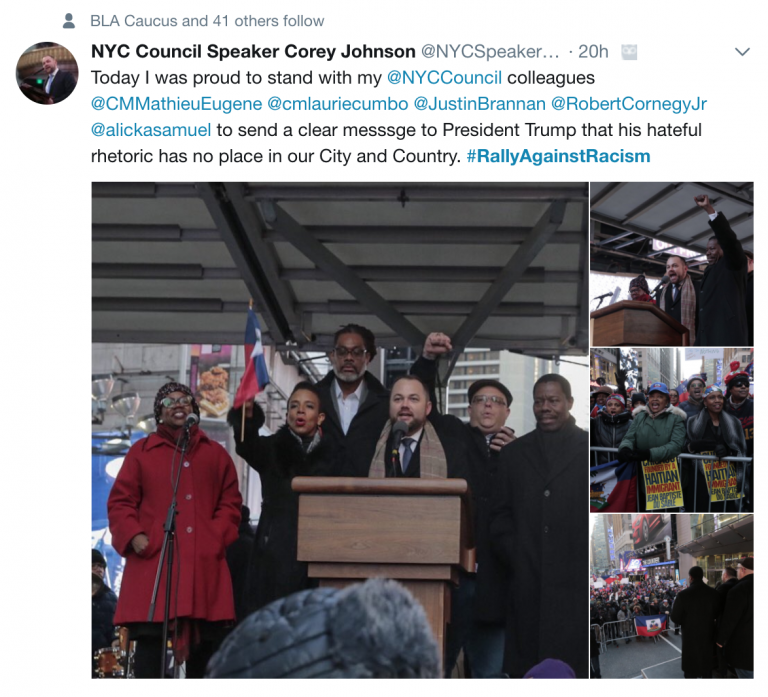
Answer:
(524, 489)
(717, 624)
(659, 425)
(718, 309)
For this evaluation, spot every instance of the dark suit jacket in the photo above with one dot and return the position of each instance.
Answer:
(722, 293)
(737, 629)
(62, 86)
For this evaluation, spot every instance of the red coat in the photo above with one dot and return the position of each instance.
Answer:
(207, 521)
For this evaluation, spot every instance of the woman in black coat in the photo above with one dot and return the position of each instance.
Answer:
(713, 430)
(296, 450)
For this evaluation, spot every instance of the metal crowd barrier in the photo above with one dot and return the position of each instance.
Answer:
(742, 463)
(618, 630)
(595, 629)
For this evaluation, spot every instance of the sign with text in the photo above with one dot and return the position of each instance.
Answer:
(721, 480)
(710, 354)
(662, 485)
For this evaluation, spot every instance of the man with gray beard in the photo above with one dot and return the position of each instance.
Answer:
(356, 403)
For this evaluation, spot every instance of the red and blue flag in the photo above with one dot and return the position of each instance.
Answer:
(255, 378)
(650, 625)
(613, 488)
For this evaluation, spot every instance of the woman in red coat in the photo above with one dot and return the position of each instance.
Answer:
(208, 514)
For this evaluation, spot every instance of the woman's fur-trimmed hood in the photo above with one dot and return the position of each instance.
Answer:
(670, 410)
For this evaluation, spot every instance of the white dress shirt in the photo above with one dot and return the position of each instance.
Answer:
(348, 406)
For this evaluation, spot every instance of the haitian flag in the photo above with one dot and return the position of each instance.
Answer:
(255, 378)
(613, 488)
(650, 625)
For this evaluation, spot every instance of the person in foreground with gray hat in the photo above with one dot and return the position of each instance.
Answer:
(371, 630)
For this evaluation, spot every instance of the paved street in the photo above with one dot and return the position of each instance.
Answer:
(659, 660)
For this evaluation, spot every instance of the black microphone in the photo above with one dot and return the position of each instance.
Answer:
(604, 295)
(399, 429)
(191, 420)
(665, 279)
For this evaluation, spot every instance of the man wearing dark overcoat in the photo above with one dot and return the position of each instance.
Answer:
(540, 532)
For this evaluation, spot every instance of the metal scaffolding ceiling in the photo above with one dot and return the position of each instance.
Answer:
(627, 217)
(495, 265)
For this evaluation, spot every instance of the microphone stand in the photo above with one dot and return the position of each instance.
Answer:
(169, 529)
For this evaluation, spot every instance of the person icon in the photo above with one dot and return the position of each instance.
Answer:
(68, 24)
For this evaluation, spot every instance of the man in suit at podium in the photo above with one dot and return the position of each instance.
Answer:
(678, 297)
(540, 532)
(59, 84)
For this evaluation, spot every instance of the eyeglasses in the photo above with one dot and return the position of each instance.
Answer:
(343, 352)
(184, 401)
(489, 399)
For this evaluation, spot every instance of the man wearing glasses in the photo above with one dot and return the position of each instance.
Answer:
(357, 403)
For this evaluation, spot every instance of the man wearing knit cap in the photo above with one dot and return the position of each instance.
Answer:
(736, 633)
(695, 402)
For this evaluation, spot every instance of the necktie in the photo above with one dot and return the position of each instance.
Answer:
(48, 84)
(674, 292)
(407, 453)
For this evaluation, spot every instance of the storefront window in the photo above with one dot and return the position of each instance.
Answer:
(714, 564)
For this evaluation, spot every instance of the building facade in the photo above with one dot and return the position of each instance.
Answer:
(713, 541)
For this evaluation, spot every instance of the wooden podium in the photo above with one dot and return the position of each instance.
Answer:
(416, 531)
(631, 323)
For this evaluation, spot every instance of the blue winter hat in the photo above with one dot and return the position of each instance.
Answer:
(658, 387)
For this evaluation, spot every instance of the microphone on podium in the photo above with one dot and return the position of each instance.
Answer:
(399, 429)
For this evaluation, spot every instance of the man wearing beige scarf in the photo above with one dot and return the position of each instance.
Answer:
(678, 297)
(430, 448)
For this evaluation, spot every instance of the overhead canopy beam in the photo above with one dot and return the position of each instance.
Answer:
(642, 232)
(512, 272)
(606, 193)
(143, 190)
(728, 191)
(331, 307)
(400, 274)
(253, 262)
(321, 343)
(736, 220)
(319, 255)
(652, 202)
(614, 238)
(423, 234)
(414, 193)
(152, 233)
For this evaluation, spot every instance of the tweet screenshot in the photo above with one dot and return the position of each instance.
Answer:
(501, 252)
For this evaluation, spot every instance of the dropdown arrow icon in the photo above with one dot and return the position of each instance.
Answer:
(742, 53)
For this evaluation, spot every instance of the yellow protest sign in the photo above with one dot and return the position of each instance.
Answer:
(721, 480)
(662, 485)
